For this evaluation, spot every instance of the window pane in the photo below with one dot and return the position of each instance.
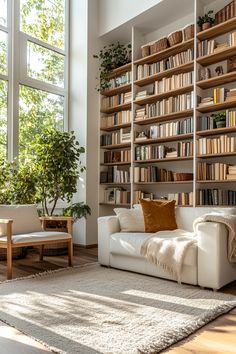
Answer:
(3, 120)
(45, 20)
(44, 64)
(3, 53)
(3, 12)
(38, 110)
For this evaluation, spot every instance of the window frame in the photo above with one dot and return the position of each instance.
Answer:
(17, 72)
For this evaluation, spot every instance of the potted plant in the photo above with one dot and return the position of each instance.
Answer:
(111, 57)
(219, 119)
(206, 21)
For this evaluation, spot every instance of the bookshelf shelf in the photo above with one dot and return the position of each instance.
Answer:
(215, 206)
(116, 127)
(115, 184)
(113, 204)
(218, 30)
(216, 181)
(166, 73)
(165, 117)
(116, 163)
(169, 182)
(216, 57)
(120, 70)
(166, 52)
(120, 107)
(217, 107)
(164, 139)
(216, 131)
(225, 154)
(115, 146)
(184, 158)
(160, 96)
(116, 90)
(217, 80)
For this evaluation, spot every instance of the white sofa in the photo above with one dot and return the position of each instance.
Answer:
(205, 263)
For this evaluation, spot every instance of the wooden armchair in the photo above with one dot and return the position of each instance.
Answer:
(20, 226)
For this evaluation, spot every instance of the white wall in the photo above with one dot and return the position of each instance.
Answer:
(113, 13)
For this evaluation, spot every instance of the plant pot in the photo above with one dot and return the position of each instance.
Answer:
(206, 26)
(221, 124)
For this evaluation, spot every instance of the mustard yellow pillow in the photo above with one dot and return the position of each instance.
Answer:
(159, 215)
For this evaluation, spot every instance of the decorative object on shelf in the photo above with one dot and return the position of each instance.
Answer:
(142, 136)
(181, 176)
(175, 38)
(231, 64)
(219, 70)
(204, 73)
(219, 119)
(206, 21)
(145, 50)
(188, 32)
(111, 57)
(159, 45)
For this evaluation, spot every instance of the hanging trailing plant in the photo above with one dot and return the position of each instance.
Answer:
(111, 57)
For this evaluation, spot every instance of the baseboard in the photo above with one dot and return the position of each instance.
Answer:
(77, 246)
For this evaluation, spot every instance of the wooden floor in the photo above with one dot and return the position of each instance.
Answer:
(218, 337)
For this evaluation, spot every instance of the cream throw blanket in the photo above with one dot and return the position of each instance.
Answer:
(168, 252)
(230, 222)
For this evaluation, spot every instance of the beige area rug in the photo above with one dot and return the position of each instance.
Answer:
(93, 309)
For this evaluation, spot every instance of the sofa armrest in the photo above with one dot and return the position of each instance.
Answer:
(107, 225)
(214, 269)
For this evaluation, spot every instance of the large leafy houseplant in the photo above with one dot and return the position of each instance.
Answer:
(111, 57)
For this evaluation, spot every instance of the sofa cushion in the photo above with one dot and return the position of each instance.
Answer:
(37, 237)
(129, 244)
(25, 218)
(131, 220)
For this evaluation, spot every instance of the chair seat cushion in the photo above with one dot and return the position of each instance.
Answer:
(129, 244)
(37, 237)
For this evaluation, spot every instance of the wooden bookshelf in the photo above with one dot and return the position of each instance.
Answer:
(115, 184)
(166, 73)
(116, 163)
(217, 107)
(120, 107)
(218, 30)
(217, 57)
(217, 80)
(165, 53)
(160, 96)
(116, 127)
(119, 71)
(215, 181)
(216, 131)
(116, 90)
(166, 117)
(164, 139)
(116, 146)
(168, 182)
(171, 159)
(223, 154)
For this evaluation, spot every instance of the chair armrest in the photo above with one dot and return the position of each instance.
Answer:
(107, 225)
(68, 220)
(214, 269)
(8, 223)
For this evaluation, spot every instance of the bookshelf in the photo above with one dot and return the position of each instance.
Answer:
(145, 73)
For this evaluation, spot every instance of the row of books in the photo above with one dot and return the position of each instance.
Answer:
(166, 106)
(115, 174)
(118, 137)
(156, 152)
(228, 12)
(212, 171)
(220, 145)
(169, 129)
(173, 82)
(220, 95)
(182, 199)
(117, 156)
(173, 61)
(208, 122)
(206, 47)
(152, 174)
(112, 101)
(120, 80)
(118, 118)
(142, 195)
(215, 197)
(232, 39)
(116, 196)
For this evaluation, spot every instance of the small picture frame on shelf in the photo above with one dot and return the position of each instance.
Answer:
(204, 74)
(231, 64)
(219, 70)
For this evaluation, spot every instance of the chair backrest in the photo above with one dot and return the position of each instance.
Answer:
(185, 216)
(25, 218)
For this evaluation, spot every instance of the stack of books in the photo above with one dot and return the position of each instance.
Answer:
(171, 154)
(140, 114)
(221, 46)
(117, 137)
(125, 135)
(127, 97)
(206, 101)
(231, 173)
(231, 95)
(142, 94)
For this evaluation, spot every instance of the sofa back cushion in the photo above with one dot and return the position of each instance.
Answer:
(131, 220)
(25, 218)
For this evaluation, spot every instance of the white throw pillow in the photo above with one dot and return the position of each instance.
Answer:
(131, 220)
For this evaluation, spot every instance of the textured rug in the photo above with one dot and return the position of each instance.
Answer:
(93, 309)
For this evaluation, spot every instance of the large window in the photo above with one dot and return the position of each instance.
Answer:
(33, 72)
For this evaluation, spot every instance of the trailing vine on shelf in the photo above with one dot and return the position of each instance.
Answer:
(111, 57)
